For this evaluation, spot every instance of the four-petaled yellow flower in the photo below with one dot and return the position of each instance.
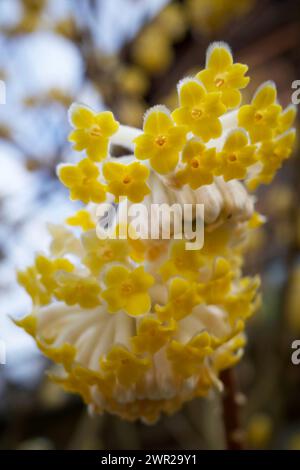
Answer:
(271, 154)
(187, 358)
(200, 165)
(222, 75)
(161, 141)
(100, 252)
(38, 280)
(128, 290)
(127, 180)
(236, 157)
(81, 218)
(125, 366)
(260, 118)
(82, 180)
(47, 268)
(286, 119)
(182, 262)
(152, 335)
(76, 289)
(216, 289)
(182, 299)
(199, 110)
(92, 131)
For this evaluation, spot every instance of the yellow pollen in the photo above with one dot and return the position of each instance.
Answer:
(195, 163)
(258, 117)
(95, 131)
(126, 179)
(232, 158)
(196, 113)
(219, 82)
(126, 288)
(161, 140)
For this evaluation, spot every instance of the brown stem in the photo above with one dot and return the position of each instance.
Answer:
(231, 404)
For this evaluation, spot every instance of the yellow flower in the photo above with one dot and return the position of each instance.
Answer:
(222, 75)
(127, 180)
(82, 180)
(92, 131)
(286, 119)
(47, 268)
(243, 303)
(152, 50)
(260, 118)
(236, 156)
(271, 154)
(152, 335)
(200, 165)
(199, 110)
(161, 142)
(75, 289)
(187, 359)
(63, 241)
(182, 262)
(100, 252)
(125, 366)
(81, 218)
(28, 279)
(38, 280)
(182, 299)
(215, 290)
(128, 290)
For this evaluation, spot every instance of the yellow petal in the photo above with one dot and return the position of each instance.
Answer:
(236, 140)
(81, 116)
(107, 123)
(157, 121)
(265, 95)
(191, 93)
(219, 57)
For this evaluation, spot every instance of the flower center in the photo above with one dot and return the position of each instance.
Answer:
(232, 157)
(95, 131)
(195, 163)
(219, 82)
(126, 179)
(258, 117)
(126, 288)
(107, 254)
(196, 113)
(161, 140)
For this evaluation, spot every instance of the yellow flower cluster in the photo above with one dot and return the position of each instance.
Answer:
(140, 325)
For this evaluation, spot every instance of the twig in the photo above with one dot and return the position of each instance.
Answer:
(231, 403)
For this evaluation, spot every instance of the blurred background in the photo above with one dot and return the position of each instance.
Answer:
(126, 55)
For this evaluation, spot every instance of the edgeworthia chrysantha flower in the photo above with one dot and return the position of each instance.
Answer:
(141, 325)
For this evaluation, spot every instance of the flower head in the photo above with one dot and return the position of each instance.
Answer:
(138, 326)
(127, 180)
(92, 131)
(161, 141)
(199, 110)
(82, 180)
